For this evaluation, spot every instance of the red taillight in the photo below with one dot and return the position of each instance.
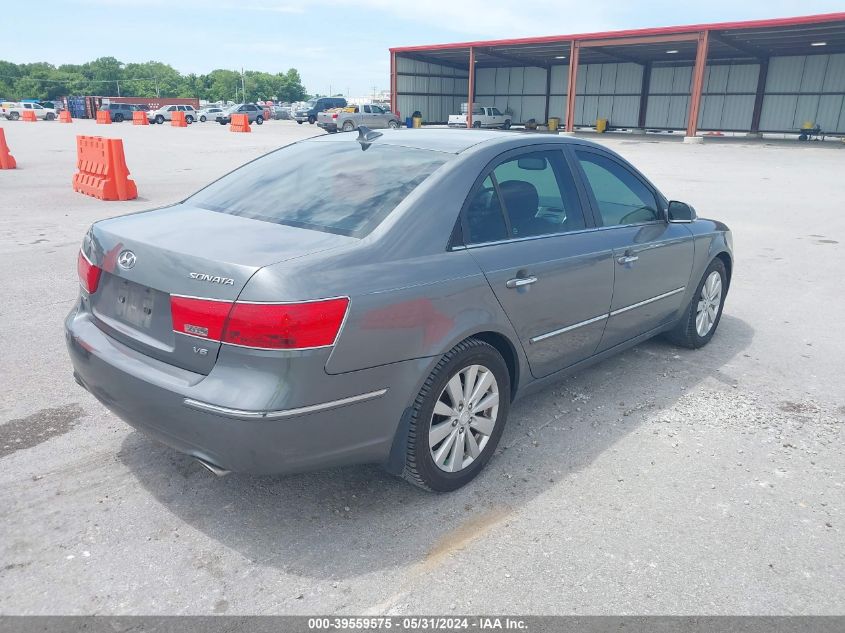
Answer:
(199, 317)
(334, 116)
(260, 325)
(89, 274)
(285, 325)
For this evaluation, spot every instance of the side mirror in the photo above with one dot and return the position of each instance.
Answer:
(681, 212)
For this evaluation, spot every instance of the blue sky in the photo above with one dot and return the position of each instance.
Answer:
(342, 44)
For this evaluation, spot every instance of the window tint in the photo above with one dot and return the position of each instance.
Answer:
(332, 187)
(621, 196)
(495, 112)
(367, 109)
(539, 194)
(377, 110)
(180, 108)
(484, 218)
(171, 109)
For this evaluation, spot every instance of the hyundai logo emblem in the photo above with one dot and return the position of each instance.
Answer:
(126, 259)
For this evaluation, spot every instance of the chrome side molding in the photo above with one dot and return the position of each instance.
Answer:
(246, 414)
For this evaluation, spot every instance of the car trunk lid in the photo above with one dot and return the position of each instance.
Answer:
(182, 251)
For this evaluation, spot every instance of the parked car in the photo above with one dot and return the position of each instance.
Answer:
(255, 114)
(14, 111)
(310, 109)
(482, 116)
(165, 113)
(281, 112)
(120, 111)
(211, 113)
(246, 326)
(349, 118)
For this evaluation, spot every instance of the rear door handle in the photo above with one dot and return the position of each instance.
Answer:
(520, 281)
(627, 259)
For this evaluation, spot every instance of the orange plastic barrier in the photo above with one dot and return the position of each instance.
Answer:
(7, 161)
(104, 116)
(240, 123)
(102, 169)
(267, 114)
(178, 120)
(140, 118)
(64, 117)
(29, 116)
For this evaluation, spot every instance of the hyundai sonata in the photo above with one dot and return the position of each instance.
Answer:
(384, 299)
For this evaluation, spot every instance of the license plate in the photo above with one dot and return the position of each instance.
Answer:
(135, 305)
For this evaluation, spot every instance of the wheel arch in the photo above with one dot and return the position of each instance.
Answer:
(505, 347)
(728, 262)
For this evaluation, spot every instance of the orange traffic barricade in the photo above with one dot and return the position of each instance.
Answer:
(7, 161)
(240, 123)
(64, 117)
(102, 169)
(29, 116)
(139, 117)
(104, 117)
(178, 119)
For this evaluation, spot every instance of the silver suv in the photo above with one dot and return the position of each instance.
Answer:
(165, 113)
(254, 113)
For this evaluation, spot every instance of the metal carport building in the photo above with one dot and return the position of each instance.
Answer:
(757, 76)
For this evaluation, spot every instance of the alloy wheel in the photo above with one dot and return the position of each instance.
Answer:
(464, 418)
(708, 303)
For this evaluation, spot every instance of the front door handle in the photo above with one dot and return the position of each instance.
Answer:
(627, 259)
(520, 281)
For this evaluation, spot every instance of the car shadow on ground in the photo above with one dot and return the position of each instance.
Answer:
(346, 522)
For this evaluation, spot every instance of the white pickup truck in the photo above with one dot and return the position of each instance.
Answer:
(482, 116)
(14, 111)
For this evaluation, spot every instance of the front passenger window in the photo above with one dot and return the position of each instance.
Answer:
(622, 198)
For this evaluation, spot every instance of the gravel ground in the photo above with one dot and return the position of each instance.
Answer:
(663, 481)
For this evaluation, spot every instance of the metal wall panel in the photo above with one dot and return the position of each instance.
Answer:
(834, 80)
(557, 106)
(485, 81)
(534, 81)
(629, 78)
(657, 112)
(435, 90)
(829, 112)
(710, 117)
(814, 71)
(778, 112)
(785, 74)
(560, 79)
(743, 78)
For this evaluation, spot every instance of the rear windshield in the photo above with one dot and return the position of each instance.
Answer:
(332, 187)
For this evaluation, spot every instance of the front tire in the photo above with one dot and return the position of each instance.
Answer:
(49, 116)
(203, 119)
(160, 119)
(458, 417)
(393, 125)
(312, 120)
(701, 317)
(14, 116)
(189, 119)
(507, 125)
(259, 120)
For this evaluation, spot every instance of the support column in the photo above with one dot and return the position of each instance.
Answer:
(697, 84)
(548, 90)
(570, 89)
(394, 100)
(471, 84)
(762, 77)
(645, 86)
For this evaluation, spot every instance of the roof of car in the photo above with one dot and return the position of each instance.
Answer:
(443, 140)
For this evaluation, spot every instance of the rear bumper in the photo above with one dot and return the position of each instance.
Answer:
(346, 419)
(328, 127)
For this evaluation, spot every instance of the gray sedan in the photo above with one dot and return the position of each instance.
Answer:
(384, 297)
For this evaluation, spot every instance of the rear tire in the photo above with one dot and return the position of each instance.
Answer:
(421, 469)
(14, 116)
(701, 317)
(507, 125)
(160, 119)
(189, 119)
(312, 120)
(203, 119)
(49, 116)
(476, 124)
(348, 126)
(299, 122)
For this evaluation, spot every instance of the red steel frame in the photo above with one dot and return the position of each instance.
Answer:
(693, 32)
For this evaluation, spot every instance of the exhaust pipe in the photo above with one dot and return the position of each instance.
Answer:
(214, 470)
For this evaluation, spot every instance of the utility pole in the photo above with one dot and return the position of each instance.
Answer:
(158, 94)
(118, 86)
(243, 84)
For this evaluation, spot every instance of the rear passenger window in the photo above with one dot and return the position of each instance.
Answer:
(622, 198)
(484, 217)
(539, 195)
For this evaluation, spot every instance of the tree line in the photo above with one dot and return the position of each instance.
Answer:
(108, 77)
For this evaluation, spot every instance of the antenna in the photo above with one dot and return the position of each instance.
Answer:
(366, 136)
